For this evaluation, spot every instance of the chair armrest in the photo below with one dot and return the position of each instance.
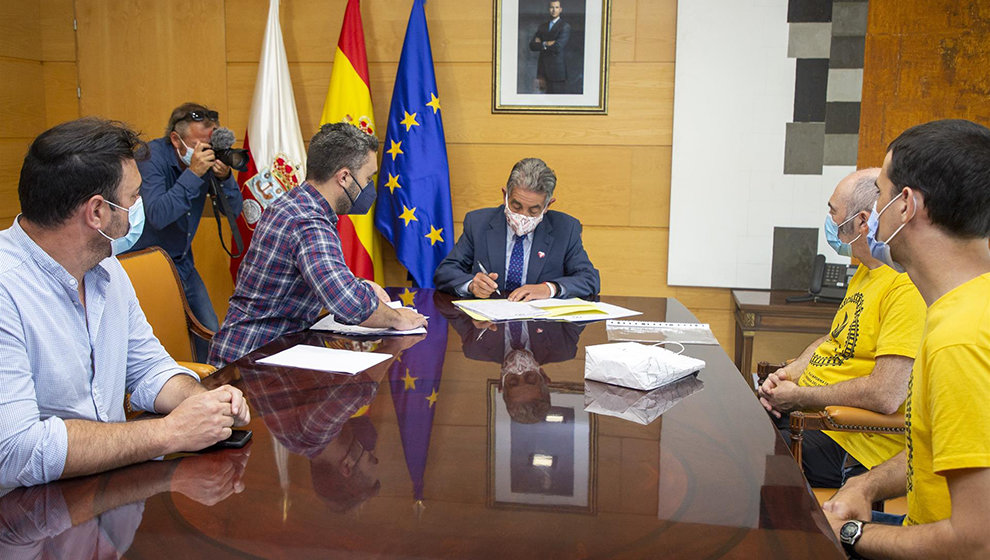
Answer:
(848, 418)
(202, 370)
(196, 328)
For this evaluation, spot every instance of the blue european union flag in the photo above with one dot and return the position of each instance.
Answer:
(414, 379)
(413, 210)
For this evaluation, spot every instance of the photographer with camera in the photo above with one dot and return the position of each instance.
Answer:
(176, 179)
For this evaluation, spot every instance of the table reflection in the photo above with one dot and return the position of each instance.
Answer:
(98, 516)
(430, 463)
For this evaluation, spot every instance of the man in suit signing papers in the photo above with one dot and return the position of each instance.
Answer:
(520, 249)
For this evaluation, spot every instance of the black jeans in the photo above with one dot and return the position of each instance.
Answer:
(826, 464)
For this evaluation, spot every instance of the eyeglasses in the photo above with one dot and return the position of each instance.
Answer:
(202, 115)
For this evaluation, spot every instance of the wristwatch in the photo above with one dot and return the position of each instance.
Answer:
(849, 535)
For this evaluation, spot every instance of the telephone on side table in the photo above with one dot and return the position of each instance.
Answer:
(828, 282)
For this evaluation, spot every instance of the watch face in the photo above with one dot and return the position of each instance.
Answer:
(849, 531)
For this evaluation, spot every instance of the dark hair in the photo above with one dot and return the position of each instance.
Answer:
(68, 164)
(949, 162)
(336, 146)
(178, 122)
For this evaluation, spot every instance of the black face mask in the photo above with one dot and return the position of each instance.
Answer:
(365, 198)
(364, 432)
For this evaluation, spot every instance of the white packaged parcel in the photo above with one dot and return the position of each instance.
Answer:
(640, 366)
(641, 407)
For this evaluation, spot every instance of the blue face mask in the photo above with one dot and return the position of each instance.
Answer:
(365, 198)
(880, 249)
(832, 236)
(135, 219)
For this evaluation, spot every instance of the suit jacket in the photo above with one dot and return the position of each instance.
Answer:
(551, 66)
(557, 238)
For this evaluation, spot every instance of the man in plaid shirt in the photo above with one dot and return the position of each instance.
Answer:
(295, 267)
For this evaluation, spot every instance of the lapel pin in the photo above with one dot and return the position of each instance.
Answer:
(541, 254)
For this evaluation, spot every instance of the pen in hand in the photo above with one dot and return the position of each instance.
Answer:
(485, 272)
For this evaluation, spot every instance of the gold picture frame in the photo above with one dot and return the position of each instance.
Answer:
(571, 76)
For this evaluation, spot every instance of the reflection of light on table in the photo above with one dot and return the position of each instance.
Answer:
(558, 418)
(541, 460)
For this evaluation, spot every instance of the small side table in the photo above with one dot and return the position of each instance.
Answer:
(767, 311)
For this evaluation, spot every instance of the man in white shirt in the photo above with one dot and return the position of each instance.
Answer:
(73, 339)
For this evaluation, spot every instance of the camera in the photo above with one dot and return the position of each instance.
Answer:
(236, 158)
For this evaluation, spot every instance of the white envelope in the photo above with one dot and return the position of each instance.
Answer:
(639, 366)
(642, 407)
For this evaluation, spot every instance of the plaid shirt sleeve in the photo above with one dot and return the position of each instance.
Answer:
(321, 262)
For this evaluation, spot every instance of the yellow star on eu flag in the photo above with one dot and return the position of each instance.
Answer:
(434, 102)
(408, 214)
(407, 297)
(395, 149)
(393, 183)
(410, 381)
(434, 235)
(409, 121)
(432, 398)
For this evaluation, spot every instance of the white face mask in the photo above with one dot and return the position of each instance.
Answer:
(522, 224)
(186, 159)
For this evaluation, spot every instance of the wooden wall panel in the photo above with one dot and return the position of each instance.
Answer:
(138, 60)
(61, 103)
(640, 109)
(458, 33)
(599, 185)
(22, 98)
(925, 60)
(656, 30)
(632, 261)
(58, 38)
(12, 151)
(20, 30)
(622, 44)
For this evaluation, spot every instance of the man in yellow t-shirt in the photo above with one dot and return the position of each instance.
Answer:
(935, 221)
(864, 360)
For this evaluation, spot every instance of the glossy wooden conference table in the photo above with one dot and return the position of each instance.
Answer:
(419, 457)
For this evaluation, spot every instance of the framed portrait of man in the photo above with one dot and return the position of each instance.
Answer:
(550, 56)
(546, 465)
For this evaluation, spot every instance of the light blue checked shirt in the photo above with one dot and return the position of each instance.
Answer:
(60, 360)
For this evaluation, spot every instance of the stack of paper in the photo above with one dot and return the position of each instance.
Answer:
(325, 359)
(573, 310)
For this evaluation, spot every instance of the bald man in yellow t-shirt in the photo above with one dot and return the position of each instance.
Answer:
(865, 359)
(935, 218)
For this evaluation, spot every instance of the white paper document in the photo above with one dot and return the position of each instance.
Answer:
(576, 310)
(500, 309)
(328, 323)
(573, 310)
(325, 359)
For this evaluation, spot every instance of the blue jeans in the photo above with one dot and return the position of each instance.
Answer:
(202, 309)
(888, 518)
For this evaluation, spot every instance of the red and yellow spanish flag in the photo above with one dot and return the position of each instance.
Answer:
(349, 100)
